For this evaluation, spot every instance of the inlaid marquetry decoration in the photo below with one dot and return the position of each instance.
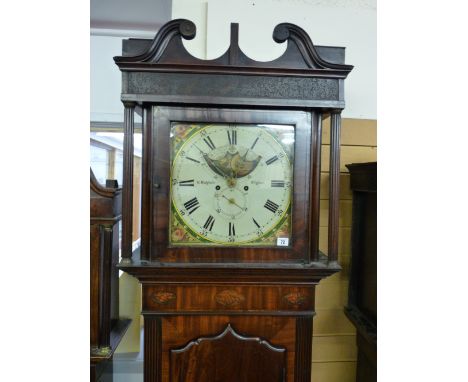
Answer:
(295, 298)
(229, 298)
(250, 359)
(163, 297)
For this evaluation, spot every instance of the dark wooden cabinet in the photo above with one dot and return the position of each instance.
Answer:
(362, 301)
(215, 310)
(106, 328)
(251, 358)
(228, 332)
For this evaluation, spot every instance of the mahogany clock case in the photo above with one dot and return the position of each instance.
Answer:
(158, 175)
(229, 313)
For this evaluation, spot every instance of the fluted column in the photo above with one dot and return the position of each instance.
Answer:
(334, 197)
(127, 191)
(316, 149)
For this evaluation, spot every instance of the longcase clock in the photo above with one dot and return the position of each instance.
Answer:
(229, 255)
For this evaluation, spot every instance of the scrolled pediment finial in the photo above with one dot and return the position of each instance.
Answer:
(178, 27)
(291, 32)
(187, 29)
(280, 33)
(167, 51)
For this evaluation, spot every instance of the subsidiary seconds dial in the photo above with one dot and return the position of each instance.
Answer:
(231, 184)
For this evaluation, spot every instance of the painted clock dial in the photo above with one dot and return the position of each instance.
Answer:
(231, 185)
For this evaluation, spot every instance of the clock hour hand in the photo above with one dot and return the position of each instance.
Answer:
(232, 201)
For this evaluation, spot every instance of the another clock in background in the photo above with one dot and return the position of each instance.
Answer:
(231, 185)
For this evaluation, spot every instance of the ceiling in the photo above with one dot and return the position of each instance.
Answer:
(144, 15)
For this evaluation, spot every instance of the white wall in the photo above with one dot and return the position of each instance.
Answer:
(196, 11)
(105, 79)
(348, 23)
